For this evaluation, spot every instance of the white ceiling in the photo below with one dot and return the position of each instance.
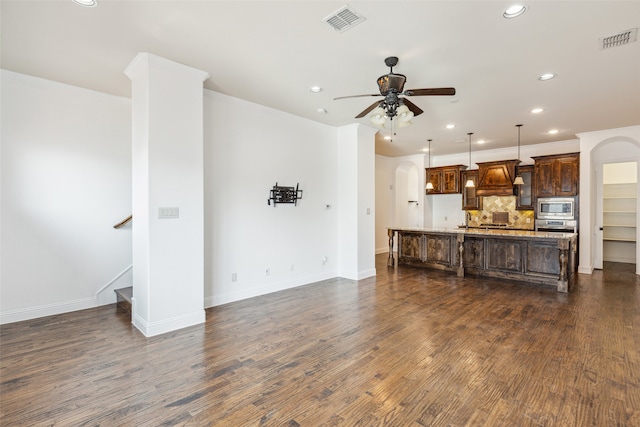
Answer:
(271, 52)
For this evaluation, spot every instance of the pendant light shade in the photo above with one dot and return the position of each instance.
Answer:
(429, 183)
(469, 183)
(518, 180)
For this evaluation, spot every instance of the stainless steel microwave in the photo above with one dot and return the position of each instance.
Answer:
(555, 208)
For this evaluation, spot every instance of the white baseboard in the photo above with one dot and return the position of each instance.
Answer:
(242, 294)
(585, 270)
(620, 259)
(150, 329)
(19, 315)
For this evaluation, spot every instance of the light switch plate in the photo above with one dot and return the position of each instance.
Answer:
(168, 212)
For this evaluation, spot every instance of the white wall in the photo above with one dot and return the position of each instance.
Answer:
(385, 201)
(248, 148)
(66, 180)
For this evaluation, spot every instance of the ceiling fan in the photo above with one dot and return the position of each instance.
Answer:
(394, 104)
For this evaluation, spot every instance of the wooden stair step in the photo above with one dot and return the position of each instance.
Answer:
(124, 296)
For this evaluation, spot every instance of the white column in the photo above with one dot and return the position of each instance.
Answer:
(168, 253)
(356, 201)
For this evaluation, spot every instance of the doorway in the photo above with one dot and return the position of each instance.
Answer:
(407, 206)
(617, 215)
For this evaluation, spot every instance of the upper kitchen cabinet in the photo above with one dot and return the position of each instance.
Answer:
(470, 200)
(524, 192)
(557, 175)
(496, 178)
(445, 179)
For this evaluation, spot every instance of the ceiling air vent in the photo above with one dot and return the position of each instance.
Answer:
(343, 19)
(620, 39)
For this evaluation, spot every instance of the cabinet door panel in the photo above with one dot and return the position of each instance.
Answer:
(504, 255)
(474, 253)
(450, 179)
(435, 176)
(524, 193)
(410, 246)
(542, 257)
(439, 249)
(566, 177)
(544, 178)
(470, 200)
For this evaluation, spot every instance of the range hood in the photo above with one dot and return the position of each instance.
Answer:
(496, 178)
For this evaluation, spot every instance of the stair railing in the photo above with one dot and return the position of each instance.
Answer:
(124, 222)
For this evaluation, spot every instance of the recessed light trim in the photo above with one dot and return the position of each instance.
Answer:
(547, 76)
(480, 141)
(387, 137)
(86, 3)
(450, 126)
(315, 89)
(537, 110)
(553, 131)
(514, 11)
(321, 111)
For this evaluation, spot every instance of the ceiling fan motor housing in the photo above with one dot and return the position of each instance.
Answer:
(391, 83)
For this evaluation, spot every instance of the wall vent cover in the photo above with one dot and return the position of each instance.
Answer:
(343, 19)
(620, 39)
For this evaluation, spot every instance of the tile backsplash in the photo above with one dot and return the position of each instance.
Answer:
(491, 204)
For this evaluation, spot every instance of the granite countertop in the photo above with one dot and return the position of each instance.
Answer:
(490, 232)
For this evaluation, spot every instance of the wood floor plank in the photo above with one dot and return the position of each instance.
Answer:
(409, 347)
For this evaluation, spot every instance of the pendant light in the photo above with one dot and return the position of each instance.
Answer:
(518, 180)
(470, 183)
(429, 183)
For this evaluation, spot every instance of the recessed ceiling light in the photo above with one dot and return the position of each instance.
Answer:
(514, 11)
(315, 89)
(454, 100)
(321, 111)
(387, 137)
(480, 141)
(537, 110)
(86, 3)
(546, 76)
(426, 150)
(553, 131)
(450, 126)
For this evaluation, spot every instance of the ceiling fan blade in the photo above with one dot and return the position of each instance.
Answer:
(356, 96)
(368, 110)
(413, 107)
(432, 91)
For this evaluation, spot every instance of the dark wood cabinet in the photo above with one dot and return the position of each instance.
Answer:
(557, 175)
(524, 192)
(445, 179)
(470, 200)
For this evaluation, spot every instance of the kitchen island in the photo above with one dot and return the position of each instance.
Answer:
(529, 256)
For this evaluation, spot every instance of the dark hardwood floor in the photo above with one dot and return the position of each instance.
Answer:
(409, 347)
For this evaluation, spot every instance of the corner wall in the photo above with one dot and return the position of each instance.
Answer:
(66, 180)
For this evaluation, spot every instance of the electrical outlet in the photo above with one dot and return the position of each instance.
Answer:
(234, 277)
(267, 271)
(324, 260)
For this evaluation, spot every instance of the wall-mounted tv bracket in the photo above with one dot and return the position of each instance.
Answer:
(280, 194)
